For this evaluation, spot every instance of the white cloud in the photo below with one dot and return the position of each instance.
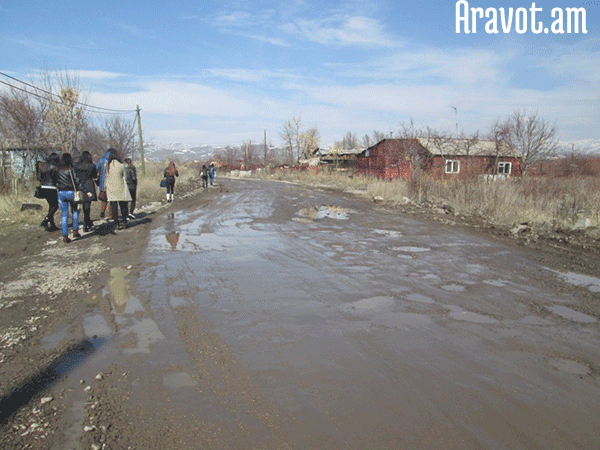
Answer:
(343, 31)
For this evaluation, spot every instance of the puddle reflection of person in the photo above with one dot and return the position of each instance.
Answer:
(173, 238)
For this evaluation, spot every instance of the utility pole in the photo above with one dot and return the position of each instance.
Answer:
(139, 121)
(455, 118)
(265, 161)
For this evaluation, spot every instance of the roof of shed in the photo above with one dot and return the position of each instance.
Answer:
(465, 147)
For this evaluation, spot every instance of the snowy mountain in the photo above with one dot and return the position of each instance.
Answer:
(585, 146)
(177, 151)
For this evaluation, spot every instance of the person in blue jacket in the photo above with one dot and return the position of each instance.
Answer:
(100, 167)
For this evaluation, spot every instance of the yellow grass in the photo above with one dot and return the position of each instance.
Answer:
(539, 201)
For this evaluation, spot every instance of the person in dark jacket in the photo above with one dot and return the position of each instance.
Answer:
(131, 178)
(87, 173)
(204, 176)
(67, 183)
(170, 174)
(46, 174)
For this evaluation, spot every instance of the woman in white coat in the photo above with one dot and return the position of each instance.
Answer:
(116, 188)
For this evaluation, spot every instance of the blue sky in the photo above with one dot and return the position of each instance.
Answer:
(222, 72)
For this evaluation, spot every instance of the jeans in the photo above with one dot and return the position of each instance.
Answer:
(65, 198)
(211, 176)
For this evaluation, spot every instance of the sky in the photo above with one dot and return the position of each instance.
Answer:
(223, 73)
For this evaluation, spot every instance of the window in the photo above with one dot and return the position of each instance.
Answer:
(452, 166)
(504, 168)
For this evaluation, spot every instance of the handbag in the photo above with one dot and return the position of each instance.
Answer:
(78, 196)
(164, 182)
(38, 192)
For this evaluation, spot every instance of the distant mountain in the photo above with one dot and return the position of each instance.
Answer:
(584, 146)
(179, 152)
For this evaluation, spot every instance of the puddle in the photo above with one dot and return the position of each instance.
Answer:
(454, 288)
(592, 283)
(496, 283)
(457, 313)
(571, 314)
(172, 239)
(370, 304)
(388, 233)
(535, 320)
(119, 288)
(570, 366)
(147, 333)
(323, 212)
(178, 380)
(409, 249)
(419, 298)
(399, 319)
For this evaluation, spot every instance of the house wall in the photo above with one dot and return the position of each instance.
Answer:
(391, 159)
(471, 166)
(388, 160)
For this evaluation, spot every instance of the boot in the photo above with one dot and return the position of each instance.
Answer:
(44, 223)
(76, 234)
(51, 225)
(66, 239)
(171, 197)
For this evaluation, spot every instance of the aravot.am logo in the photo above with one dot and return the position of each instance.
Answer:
(475, 18)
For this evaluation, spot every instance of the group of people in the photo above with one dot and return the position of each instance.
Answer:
(60, 178)
(207, 173)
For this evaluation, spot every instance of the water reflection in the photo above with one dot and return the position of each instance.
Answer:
(119, 288)
(173, 239)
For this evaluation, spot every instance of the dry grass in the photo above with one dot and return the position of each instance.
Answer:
(540, 201)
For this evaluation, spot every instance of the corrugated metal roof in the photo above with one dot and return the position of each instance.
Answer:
(463, 147)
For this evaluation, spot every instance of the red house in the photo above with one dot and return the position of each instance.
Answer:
(401, 158)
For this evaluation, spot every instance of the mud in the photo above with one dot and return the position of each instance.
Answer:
(268, 315)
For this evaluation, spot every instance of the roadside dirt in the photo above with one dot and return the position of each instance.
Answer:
(43, 281)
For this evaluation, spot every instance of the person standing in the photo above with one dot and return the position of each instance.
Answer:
(170, 173)
(211, 173)
(67, 183)
(116, 188)
(87, 173)
(204, 175)
(101, 169)
(131, 176)
(46, 174)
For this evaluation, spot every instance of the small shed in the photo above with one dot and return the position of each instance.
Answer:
(440, 157)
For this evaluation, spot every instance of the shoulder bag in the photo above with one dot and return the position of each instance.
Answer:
(78, 196)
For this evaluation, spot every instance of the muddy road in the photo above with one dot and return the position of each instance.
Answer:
(285, 317)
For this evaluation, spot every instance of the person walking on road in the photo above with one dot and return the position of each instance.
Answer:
(101, 168)
(170, 173)
(117, 191)
(204, 175)
(46, 173)
(131, 176)
(67, 183)
(87, 173)
(211, 173)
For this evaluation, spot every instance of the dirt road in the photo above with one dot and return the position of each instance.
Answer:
(270, 315)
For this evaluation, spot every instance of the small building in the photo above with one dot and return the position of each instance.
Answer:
(401, 158)
(344, 159)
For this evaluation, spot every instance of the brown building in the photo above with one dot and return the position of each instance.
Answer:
(400, 158)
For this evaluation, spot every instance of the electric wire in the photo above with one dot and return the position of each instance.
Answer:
(100, 109)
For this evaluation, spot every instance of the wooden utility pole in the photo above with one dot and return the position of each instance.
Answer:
(265, 161)
(139, 121)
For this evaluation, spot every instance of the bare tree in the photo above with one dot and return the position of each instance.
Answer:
(66, 117)
(378, 136)
(310, 141)
(292, 138)
(94, 141)
(350, 141)
(531, 136)
(120, 134)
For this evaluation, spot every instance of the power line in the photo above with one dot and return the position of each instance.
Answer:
(102, 110)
